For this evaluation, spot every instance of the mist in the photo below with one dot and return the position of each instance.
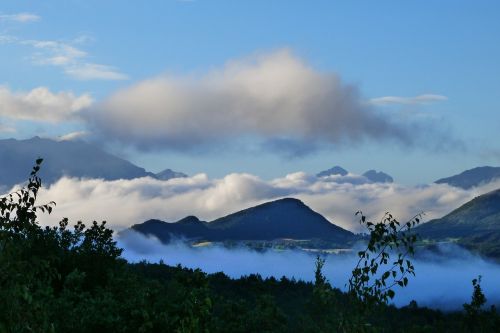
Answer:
(442, 281)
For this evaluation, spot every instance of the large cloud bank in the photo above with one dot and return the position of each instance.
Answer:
(274, 97)
(126, 202)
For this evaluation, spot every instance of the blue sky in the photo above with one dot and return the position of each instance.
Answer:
(446, 52)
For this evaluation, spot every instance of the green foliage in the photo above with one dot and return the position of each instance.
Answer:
(376, 274)
(39, 265)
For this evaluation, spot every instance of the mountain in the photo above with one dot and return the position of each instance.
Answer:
(61, 158)
(476, 225)
(336, 170)
(378, 177)
(473, 177)
(189, 227)
(169, 174)
(281, 219)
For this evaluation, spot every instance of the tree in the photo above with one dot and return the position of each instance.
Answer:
(477, 319)
(322, 291)
(38, 264)
(376, 274)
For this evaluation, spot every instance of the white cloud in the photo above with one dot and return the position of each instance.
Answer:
(420, 99)
(73, 136)
(55, 53)
(126, 202)
(89, 71)
(20, 17)
(7, 39)
(40, 104)
(272, 97)
(66, 55)
(72, 60)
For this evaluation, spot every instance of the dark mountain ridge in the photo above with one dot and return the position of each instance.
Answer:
(481, 214)
(281, 219)
(63, 158)
(476, 225)
(378, 176)
(336, 170)
(472, 177)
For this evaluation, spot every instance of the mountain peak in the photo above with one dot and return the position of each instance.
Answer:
(278, 219)
(472, 177)
(169, 174)
(378, 176)
(189, 219)
(77, 159)
(287, 200)
(336, 170)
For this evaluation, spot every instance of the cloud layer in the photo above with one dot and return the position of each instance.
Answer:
(274, 97)
(126, 202)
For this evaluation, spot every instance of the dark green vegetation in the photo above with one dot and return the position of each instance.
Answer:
(473, 177)
(281, 219)
(475, 225)
(62, 280)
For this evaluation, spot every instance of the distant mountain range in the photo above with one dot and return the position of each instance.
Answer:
(371, 175)
(65, 158)
(75, 158)
(475, 225)
(281, 219)
(472, 178)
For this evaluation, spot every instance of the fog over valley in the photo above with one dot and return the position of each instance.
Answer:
(442, 278)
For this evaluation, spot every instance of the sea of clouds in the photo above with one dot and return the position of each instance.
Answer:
(126, 202)
(442, 281)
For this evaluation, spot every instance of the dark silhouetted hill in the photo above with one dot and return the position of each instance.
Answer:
(281, 219)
